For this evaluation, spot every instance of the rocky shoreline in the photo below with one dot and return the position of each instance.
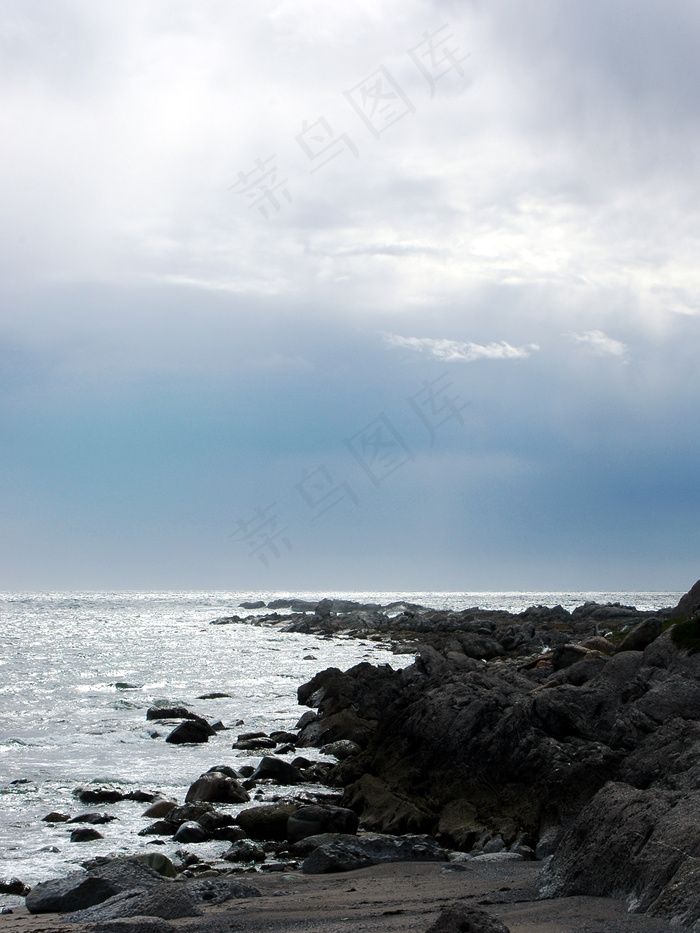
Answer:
(571, 739)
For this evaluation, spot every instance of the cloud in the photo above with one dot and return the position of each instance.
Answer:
(463, 351)
(600, 344)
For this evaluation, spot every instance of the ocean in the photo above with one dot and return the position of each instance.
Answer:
(79, 670)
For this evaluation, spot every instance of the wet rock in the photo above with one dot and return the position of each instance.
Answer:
(13, 886)
(159, 808)
(191, 831)
(91, 816)
(98, 793)
(216, 787)
(267, 822)
(342, 749)
(170, 712)
(316, 819)
(85, 835)
(244, 850)
(254, 745)
(189, 811)
(55, 817)
(277, 770)
(190, 731)
(159, 828)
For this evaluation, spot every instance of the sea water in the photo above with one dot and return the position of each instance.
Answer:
(79, 670)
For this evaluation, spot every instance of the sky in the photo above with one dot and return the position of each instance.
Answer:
(326, 296)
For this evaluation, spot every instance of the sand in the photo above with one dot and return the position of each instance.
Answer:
(394, 898)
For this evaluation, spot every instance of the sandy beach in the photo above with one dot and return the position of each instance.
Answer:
(391, 898)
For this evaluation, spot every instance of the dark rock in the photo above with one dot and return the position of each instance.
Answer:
(98, 794)
(215, 696)
(167, 901)
(216, 787)
(189, 811)
(341, 749)
(191, 831)
(219, 890)
(159, 828)
(85, 835)
(282, 772)
(159, 808)
(284, 738)
(170, 712)
(244, 850)
(344, 725)
(460, 826)
(316, 819)
(13, 886)
(96, 819)
(347, 853)
(254, 745)
(80, 889)
(689, 604)
(268, 821)
(55, 817)
(385, 811)
(324, 608)
(190, 731)
(641, 635)
(459, 919)
(308, 717)
(641, 844)
(225, 769)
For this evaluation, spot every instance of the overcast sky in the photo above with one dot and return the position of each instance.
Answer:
(371, 295)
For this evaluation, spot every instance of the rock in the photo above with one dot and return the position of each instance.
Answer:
(268, 821)
(159, 828)
(640, 844)
(324, 608)
(384, 811)
(167, 901)
(347, 853)
(170, 712)
(55, 817)
(85, 835)
(189, 811)
(460, 919)
(689, 604)
(98, 793)
(641, 635)
(281, 772)
(191, 832)
(566, 655)
(342, 749)
(13, 886)
(219, 890)
(225, 769)
(159, 808)
(459, 825)
(345, 724)
(282, 737)
(80, 889)
(190, 731)
(316, 819)
(549, 842)
(598, 643)
(254, 745)
(96, 819)
(244, 851)
(216, 787)
(160, 863)
(306, 719)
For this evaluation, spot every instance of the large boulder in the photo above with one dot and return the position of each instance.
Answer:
(689, 604)
(642, 845)
(167, 901)
(315, 819)
(268, 822)
(382, 810)
(346, 853)
(80, 890)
